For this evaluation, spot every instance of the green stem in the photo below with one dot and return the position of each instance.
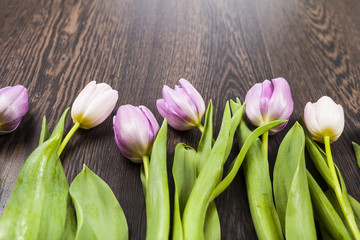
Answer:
(348, 213)
(200, 127)
(146, 163)
(68, 136)
(265, 142)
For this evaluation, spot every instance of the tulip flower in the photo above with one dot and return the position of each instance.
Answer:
(325, 122)
(91, 107)
(324, 118)
(269, 101)
(13, 106)
(135, 130)
(183, 106)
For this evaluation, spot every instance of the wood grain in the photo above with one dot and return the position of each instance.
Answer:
(56, 47)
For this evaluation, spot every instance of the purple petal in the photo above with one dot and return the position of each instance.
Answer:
(181, 104)
(152, 120)
(9, 127)
(252, 105)
(267, 90)
(13, 103)
(173, 119)
(281, 104)
(194, 95)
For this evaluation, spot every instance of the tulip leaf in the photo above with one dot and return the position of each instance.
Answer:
(184, 173)
(99, 214)
(325, 213)
(44, 135)
(258, 185)
(291, 191)
(357, 152)
(212, 230)
(356, 208)
(40, 206)
(157, 191)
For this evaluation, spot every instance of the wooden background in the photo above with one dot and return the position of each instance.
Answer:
(55, 47)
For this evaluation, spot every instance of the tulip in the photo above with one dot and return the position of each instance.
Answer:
(324, 118)
(13, 106)
(93, 105)
(269, 101)
(135, 130)
(183, 106)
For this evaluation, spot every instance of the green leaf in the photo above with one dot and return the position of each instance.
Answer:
(325, 213)
(40, 206)
(212, 229)
(258, 186)
(157, 192)
(291, 191)
(98, 212)
(357, 152)
(44, 135)
(356, 208)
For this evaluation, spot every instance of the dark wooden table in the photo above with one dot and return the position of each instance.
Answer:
(55, 47)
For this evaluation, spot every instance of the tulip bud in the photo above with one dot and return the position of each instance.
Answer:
(269, 101)
(324, 118)
(13, 106)
(183, 106)
(135, 130)
(93, 105)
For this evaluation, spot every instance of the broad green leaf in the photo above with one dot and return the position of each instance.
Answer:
(99, 215)
(324, 234)
(258, 186)
(325, 213)
(212, 229)
(157, 192)
(40, 206)
(184, 173)
(45, 135)
(356, 208)
(357, 152)
(291, 191)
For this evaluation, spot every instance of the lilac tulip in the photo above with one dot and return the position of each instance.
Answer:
(135, 130)
(13, 106)
(324, 118)
(269, 101)
(183, 106)
(93, 105)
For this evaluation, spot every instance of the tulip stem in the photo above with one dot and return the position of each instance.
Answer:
(200, 127)
(265, 142)
(340, 195)
(68, 136)
(146, 163)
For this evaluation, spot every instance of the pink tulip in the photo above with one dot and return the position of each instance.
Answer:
(324, 118)
(93, 105)
(183, 106)
(269, 101)
(13, 106)
(135, 130)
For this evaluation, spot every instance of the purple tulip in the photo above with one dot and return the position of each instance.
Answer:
(94, 104)
(135, 130)
(269, 101)
(324, 118)
(13, 106)
(183, 106)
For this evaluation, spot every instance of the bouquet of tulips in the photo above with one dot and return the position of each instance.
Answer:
(288, 207)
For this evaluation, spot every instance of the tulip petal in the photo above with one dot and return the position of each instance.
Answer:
(173, 119)
(181, 104)
(152, 120)
(311, 122)
(194, 95)
(99, 109)
(252, 106)
(281, 104)
(82, 101)
(267, 90)
(9, 127)
(13, 103)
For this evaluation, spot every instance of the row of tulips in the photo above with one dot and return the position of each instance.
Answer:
(285, 207)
